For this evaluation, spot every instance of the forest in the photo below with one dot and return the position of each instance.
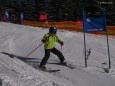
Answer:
(57, 10)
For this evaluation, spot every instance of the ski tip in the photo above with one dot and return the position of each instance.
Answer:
(51, 70)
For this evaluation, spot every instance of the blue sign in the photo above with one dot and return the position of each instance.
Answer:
(94, 24)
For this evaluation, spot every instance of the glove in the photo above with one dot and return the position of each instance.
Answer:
(44, 40)
(61, 43)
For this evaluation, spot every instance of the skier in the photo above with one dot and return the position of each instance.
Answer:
(49, 41)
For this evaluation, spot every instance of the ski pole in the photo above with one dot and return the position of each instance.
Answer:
(34, 49)
(61, 48)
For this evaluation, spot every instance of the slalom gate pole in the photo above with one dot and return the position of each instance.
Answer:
(85, 50)
(84, 39)
(107, 42)
(108, 50)
(34, 49)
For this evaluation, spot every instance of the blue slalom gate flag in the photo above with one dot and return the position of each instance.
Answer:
(92, 24)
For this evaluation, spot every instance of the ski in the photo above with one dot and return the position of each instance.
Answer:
(50, 70)
(46, 69)
(71, 66)
(68, 64)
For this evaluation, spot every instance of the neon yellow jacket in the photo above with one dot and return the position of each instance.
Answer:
(51, 40)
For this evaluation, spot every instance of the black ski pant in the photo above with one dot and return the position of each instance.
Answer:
(47, 55)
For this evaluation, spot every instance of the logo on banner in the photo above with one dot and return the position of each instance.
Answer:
(88, 20)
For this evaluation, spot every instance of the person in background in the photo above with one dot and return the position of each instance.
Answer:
(49, 41)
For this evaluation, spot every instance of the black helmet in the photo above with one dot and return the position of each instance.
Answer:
(53, 30)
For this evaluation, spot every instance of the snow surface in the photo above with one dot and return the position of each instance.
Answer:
(17, 41)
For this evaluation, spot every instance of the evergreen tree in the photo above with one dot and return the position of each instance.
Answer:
(57, 10)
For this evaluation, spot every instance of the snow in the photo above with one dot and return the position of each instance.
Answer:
(17, 41)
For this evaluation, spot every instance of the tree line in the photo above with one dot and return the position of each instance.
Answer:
(57, 10)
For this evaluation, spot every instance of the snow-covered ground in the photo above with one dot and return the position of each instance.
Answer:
(17, 41)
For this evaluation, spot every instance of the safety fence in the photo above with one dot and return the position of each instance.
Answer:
(66, 25)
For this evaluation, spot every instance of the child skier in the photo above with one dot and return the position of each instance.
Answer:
(49, 41)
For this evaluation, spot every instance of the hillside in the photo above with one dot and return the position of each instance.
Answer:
(17, 41)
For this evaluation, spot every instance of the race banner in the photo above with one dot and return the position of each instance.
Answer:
(94, 24)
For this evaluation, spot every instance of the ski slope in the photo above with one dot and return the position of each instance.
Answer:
(17, 41)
